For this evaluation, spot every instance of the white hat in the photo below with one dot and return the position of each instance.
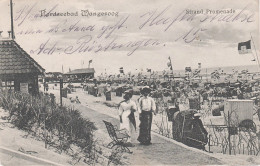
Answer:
(197, 115)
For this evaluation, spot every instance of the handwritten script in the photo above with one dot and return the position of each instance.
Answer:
(71, 35)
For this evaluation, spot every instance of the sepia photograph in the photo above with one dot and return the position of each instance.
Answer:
(129, 82)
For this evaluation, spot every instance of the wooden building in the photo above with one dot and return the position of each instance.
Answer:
(80, 74)
(18, 71)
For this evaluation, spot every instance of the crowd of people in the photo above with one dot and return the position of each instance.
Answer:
(173, 93)
(146, 108)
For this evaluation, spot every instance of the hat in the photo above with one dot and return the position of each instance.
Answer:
(129, 91)
(197, 115)
(146, 89)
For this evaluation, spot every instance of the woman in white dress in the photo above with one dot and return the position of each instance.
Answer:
(126, 114)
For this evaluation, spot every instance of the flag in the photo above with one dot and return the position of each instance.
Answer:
(69, 70)
(196, 73)
(89, 62)
(149, 70)
(121, 70)
(244, 47)
(187, 69)
(199, 65)
(169, 64)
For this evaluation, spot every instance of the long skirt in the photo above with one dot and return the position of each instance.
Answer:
(258, 113)
(145, 127)
(127, 124)
(108, 96)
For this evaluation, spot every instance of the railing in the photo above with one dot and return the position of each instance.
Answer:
(221, 139)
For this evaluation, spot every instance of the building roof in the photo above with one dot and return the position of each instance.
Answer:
(14, 60)
(81, 71)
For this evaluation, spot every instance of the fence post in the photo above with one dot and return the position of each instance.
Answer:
(61, 86)
(243, 149)
(45, 133)
(229, 128)
(44, 129)
(209, 143)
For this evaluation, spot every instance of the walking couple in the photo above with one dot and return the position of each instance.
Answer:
(146, 107)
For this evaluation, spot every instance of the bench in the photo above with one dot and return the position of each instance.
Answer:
(119, 137)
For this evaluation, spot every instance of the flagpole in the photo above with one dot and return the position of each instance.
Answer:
(172, 73)
(171, 65)
(255, 50)
(207, 74)
(12, 20)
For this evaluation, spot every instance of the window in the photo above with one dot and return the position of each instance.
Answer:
(7, 85)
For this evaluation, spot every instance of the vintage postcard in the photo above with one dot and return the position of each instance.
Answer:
(129, 82)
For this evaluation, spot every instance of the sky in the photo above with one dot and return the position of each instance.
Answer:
(144, 33)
